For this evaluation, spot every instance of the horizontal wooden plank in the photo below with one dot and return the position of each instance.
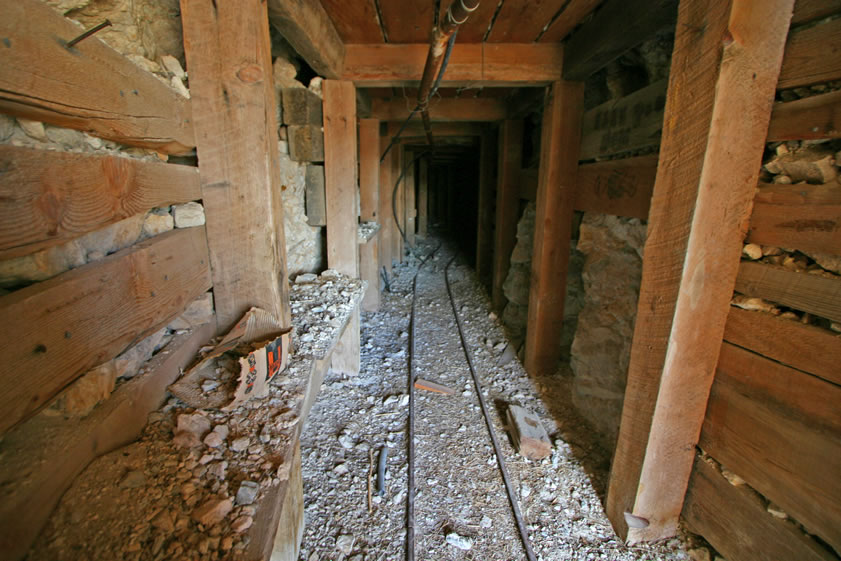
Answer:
(802, 346)
(473, 64)
(804, 217)
(629, 123)
(733, 519)
(813, 117)
(780, 430)
(619, 187)
(817, 295)
(446, 109)
(66, 325)
(812, 56)
(47, 198)
(415, 128)
(810, 10)
(114, 423)
(88, 87)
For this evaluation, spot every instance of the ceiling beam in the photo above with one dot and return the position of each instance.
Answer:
(307, 27)
(445, 109)
(445, 129)
(617, 27)
(474, 64)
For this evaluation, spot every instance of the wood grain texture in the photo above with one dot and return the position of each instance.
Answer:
(356, 21)
(812, 56)
(804, 217)
(810, 10)
(801, 346)
(559, 143)
(778, 429)
(734, 520)
(43, 80)
(485, 211)
(65, 326)
(521, 63)
(311, 32)
(619, 187)
(507, 205)
(692, 80)
(618, 26)
(369, 271)
(423, 197)
(820, 296)
(725, 195)
(396, 209)
(114, 423)
(229, 55)
(522, 21)
(408, 22)
(447, 109)
(477, 24)
(572, 14)
(48, 198)
(369, 170)
(809, 118)
(386, 219)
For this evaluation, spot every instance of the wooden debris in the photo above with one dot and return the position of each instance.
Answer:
(528, 433)
(422, 384)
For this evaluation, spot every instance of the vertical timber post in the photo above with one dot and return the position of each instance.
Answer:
(386, 218)
(409, 197)
(507, 204)
(369, 208)
(485, 218)
(423, 197)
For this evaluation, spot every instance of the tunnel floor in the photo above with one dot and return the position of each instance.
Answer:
(460, 492)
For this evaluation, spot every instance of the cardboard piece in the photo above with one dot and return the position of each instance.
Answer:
(240, 367)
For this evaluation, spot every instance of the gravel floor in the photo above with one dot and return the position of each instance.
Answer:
(460, 492)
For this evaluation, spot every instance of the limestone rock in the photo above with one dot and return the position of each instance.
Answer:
(92, 387)
(829, 262)
(7, 127)
(304, 253)
(133, 480)
(188, 215)
(199, 312)
(113, 237)
(41, 265)
(241, 524)
(157, 222)
(345, 544)
(213, 511)
(68, 138)
(130, 360)
(753, 251)
(173, 66)
(247, 492)
(33, 129)
(284, 72)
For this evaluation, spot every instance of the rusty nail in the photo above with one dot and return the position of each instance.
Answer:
(88, 33)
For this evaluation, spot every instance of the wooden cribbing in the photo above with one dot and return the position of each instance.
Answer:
(813, 117)
(620, 187)
(60, 328)
(89, 87)
(809, 10)
(812, 56)
(50, 198)
(307, 27)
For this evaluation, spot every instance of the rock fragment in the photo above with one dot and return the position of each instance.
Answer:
(213, 511)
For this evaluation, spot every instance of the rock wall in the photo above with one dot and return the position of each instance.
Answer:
(612, 251)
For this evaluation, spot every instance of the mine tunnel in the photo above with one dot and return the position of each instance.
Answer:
(368, 280)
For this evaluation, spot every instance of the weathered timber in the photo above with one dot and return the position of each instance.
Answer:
(485, 214)
(316, 206)
(422, 384)
(507, 205)
(65, 326)
(409, 211)
(522, 20)
(369, 164)
(572, 14)
(817, 295)
(813, 117)
(356, 22)
(309, 29)
(234, 110)
(528, 433)
(734, 520)
(386, 219)
(48, 198)
(778, 429)
(812, 56)
(444, 109)
(42, 79)
(423, 197)
(810, 10)
(620, 187)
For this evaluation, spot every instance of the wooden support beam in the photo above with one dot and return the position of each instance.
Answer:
(65, 326)
(409, 199)
(369, 208)
(485, 212)
(423, 197)
(778, 429)
(340, 168)
(397, 156)
(443, 129)
(444, 109)
(559, 145)
(471, 64)
(702, 199)
(234, 109)
(307, 27)
(620, 187)
(524, 102)
(617, 27)
(48, 198)
(813, 117)
(387, 228)
(804, 217)
(42, 79)
(812, 56)
(510, 160)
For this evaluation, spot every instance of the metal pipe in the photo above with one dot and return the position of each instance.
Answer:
(457, 14)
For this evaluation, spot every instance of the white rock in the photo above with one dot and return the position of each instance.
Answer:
(157, 223)
(486, 522)
(172, 65)
(752, 250)
(33, 129)
(340, 469)
(188, 215)
(240, 444)
(7, 127)
(460, 542)
(344, 544)
(346, 441)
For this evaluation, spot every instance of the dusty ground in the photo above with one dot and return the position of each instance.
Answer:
(459, 488)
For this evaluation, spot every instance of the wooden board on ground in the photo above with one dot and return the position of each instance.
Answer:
(42, 79)
(65, 326)
(620, 187)
(112, 424)
(778, 429)
(47, 198)
(734, 520)
(422, 384)
(815, 294)
(812, 56)
(528, 434)
(813, 117)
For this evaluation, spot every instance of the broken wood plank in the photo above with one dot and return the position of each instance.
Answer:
(801, 346)
(528, 434)
(444, 109)
(734, 520)
(310, 31)
(699, 149)
(65, 326)
(817, 295)
(629, 123)
(422, 384)
(812, 56)
(804, 217)
(778, 429)
(234, 108)
(810, 118)
(42, 79)
(114, 423)
(485, 217)
(618, 26)
(559, 144)
(619, 187)
(48, 198)
(507, 205)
